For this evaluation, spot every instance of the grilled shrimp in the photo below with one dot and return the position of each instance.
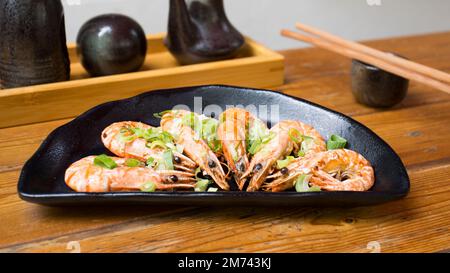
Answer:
(85, 176)
(335, 170)
(285, 179)
(288, 136)
(343, 170)
(137, 147)
(234, 134)
(194, 146)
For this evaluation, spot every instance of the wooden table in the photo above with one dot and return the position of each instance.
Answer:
(418, 129)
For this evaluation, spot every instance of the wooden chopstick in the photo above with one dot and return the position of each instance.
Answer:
(407, 64)
(378, 62)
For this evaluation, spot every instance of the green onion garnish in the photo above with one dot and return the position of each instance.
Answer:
(179, 148)
(301, 153)
(193, 121)
(213, 189)
(258, 144)
(295, 135)
(197, 172)
(215, 145)
(138, 132)
(285, 162)
(166, 137)
(131, 162)
(105, 161)
(189, 120)
(126, 137)
(150, 162)
(148, 187)
(157, 143)
(336, 142)
(166, 162)
(302, 184)
(209, 126)
(307, 144)
(209, 133)
(161, 114)
(255, 147)
(202, 185)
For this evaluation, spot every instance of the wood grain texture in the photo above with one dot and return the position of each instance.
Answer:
(418, 130)
(324, 77)
(418, 223)
(255, 66)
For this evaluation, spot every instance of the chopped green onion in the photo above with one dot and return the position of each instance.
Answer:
(285, 162)
(193, 121)
(166, 162)
(179, 148)
(258, 144)
(150, 162)
(156, 143)
(257, 131)
(131, 162)
(124, 130)
(209, 133)
(233, 152)
(301, 153)
(295, 135)
(255, 147)
(189, 120)
(307, 144)
(209, 126)
(336, 142)
(202, 185)
(122, 137)
(166, 137)
(197, 171)
(161, 114)
(213, 189)
(222, 117)
(138, 132)
(302, 184)
(215, 145)
(148, 187)
(268, 138)
(151, 135)
(105, 161)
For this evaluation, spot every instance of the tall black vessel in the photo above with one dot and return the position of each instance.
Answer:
(199, 31)
(33, 43)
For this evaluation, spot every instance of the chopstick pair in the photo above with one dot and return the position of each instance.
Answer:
(386, 61)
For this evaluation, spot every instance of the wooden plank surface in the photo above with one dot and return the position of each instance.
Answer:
(418, 130)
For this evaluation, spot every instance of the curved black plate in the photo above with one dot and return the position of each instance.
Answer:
(42, 178)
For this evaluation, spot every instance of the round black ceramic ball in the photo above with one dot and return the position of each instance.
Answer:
(111, 44)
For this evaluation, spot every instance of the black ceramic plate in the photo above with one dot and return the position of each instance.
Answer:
(42, 178)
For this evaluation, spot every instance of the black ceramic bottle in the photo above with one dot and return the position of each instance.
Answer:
(199, 31)
(33, 43)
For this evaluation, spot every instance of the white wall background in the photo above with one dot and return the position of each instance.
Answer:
(263, 19)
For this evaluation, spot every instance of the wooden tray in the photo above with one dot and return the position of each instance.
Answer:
(256, 66)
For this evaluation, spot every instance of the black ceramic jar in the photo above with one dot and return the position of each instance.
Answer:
(199, 31)
(375, 87)
(32, 43)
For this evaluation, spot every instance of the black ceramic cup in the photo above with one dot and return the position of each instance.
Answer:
(375, 87)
